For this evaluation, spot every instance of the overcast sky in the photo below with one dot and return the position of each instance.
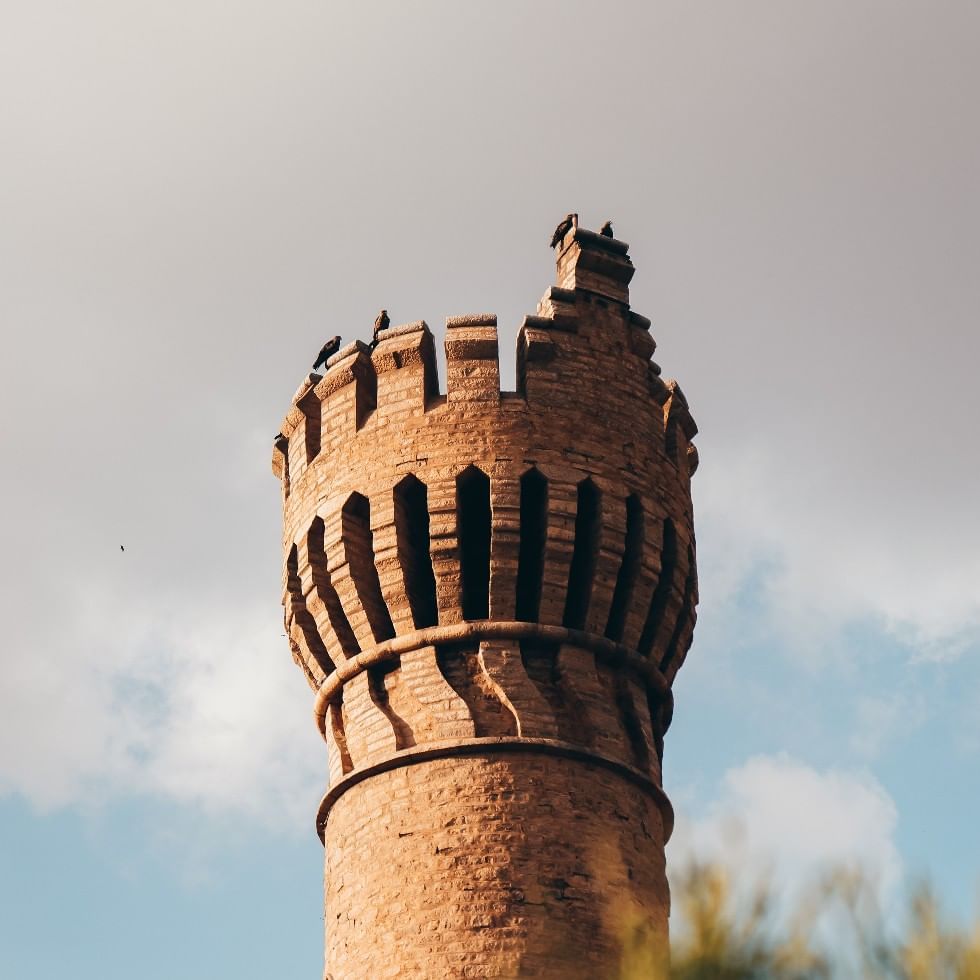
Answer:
(194, 196)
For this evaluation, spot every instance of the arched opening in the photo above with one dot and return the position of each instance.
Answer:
(587, 525)
(412, 533)
(326, 591)
(305, 621)
(628, 570)
(668, 564)
(684, 616)
(473, 531)
(534, 533)
(359, 547)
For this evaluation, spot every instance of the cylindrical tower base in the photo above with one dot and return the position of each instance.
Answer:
(524, 861)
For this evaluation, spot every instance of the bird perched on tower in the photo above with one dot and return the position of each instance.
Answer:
(326, 352)
(381, 322)
(606, 230)
(570, 221)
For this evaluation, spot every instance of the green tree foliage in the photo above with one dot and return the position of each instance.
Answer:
(836, 930)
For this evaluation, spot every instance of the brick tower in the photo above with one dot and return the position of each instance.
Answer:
(491, 593)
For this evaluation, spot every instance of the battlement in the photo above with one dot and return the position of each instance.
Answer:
(583, 341)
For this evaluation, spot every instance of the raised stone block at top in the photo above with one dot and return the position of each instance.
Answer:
(472, 337)
(402, 329)
(406, 344)
(405, 362)
(472, 358)
(595, 263)
(352, 348)
(471, 320)
(306, 385)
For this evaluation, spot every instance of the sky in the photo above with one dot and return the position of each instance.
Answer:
(194, 196)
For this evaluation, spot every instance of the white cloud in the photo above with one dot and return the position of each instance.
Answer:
(201, 707)
(239, 732)
(778, 818)
(827, 549)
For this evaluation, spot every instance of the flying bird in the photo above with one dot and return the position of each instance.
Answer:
(571, 221)
(121, 548)
(381, 322)
(326, 352)
(606, 230)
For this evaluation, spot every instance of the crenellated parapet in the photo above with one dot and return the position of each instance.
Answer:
(476, 573)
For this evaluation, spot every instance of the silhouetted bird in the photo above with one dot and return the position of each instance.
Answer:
(381, 322)
(606, 230)
(121, 548)
(327, 351)
(571, 221)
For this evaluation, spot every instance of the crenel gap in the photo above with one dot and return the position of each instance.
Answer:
(412, 534)
(359, 545)
(326, 591)
(302, 615)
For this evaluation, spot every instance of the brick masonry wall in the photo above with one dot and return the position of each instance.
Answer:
(507, 866)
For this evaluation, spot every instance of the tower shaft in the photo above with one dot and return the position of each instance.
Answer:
(500, 863)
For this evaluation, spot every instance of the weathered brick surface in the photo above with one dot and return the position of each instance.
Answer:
(410, 518)
(506, 866)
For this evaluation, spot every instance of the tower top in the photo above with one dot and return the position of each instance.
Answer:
(596, 263)
(582, 344)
